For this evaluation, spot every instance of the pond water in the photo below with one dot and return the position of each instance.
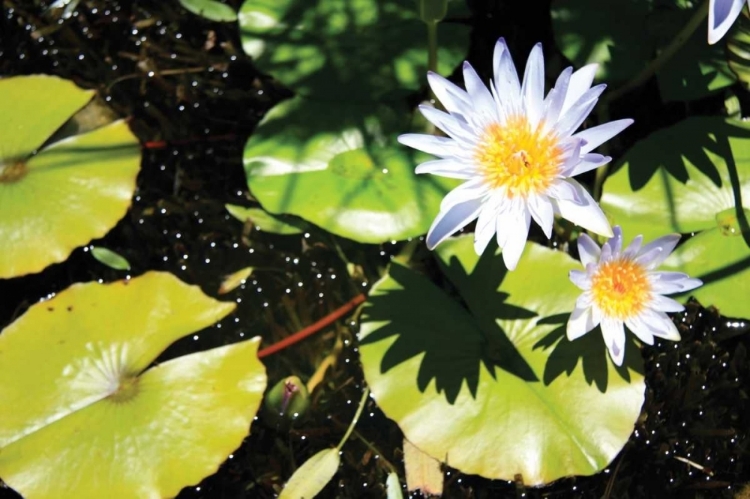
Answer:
(193, 98)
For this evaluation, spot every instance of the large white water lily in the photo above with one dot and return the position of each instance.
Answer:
(516, 150)
(721, 16)
(621, 288)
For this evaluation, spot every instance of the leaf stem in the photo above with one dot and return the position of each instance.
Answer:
(361, 406)
(432, 46)
(312, 328)
(664, 56)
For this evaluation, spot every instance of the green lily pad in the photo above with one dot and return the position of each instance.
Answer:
(352, 50)
(496, 389)
(342, 171)
(79, 402)
(61, 196)
(679, 178)
(586, 33)
(264, 221)
(720, 257)
(210, 9)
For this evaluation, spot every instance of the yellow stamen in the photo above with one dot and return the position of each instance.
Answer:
(620, 288)
(522, 160)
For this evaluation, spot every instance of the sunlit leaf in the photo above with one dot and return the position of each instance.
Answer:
(264, 221)
(235, 279)
(496, 387)
(312, 476)
(393, 487)
(342, 170)
(423, 472)
(346, 50)
(67, 193)
(110, 258)
(210, 9)
(79, 402)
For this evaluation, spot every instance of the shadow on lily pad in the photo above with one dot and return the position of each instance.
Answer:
(589, 349)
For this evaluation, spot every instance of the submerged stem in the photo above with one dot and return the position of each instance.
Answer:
(356, 418)
(664, 56)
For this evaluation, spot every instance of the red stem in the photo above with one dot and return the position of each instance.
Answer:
(160, 144)
(312, 328)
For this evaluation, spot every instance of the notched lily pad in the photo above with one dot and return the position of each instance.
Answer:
(56, 197)
(350, 50)
(79, 402)
(481, 386)
(343, 170)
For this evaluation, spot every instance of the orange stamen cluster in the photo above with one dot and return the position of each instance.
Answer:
(521, 159)
(620, 288)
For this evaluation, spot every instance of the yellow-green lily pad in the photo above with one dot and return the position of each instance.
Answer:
(495, 388)
(343, 170)
(56, 197)
(82, 413)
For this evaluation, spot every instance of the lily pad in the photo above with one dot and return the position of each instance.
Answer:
(79, 402)
(350, 50)
(679, 178)
(264, 221)
(210, 9)
(496, 389)
(110, 258)
(56, 197)
(342, 171)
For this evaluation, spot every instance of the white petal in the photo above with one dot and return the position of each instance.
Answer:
(633, 247)
(562, 189)
(663, 304)
(580, 82)
(571, 150)
(450, 221)
(506, 79)
(613, 331)
(580, 278)
(516, 228)
(615, 242)
(450, 124)
(486, 224)
(556, 97)
(543, 214)
(587, 214)
(586, 300)
(572, 118)
(588, 250)
(532, 88)
(661, 325)
(447, 168)
(431, 144)
(650, 258)
(473, 189)
(588, 163)
(598, 135)
(482, 101)
(640, 329)
(453, 98)
(721, 16)
(581, 322)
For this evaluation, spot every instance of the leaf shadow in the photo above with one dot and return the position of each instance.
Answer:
(590, 349)
(455, 342)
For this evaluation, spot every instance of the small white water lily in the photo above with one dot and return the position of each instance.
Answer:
(621, 288)
(721, 16)
(516, 150)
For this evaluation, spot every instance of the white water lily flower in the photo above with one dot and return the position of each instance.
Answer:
(516, 150)
(721, 16)
(621, 288)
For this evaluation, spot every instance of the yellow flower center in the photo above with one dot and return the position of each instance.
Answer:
(620, 288)
(522, 160)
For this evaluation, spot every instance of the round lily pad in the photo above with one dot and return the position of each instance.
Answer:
(343, 170)
(351, 50)
(494, 387)
(79, 402)
(265, 222)
(60, 196)
(679, 178)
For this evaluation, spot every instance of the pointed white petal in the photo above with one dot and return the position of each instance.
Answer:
(447, 168)
(633, 247)
(532, 88)
(580, 82)
(562, 189)
(473, 189)
(598, 135)
(556, 97)
(486, 225)
(581, 322)
(661, 325)
(482, 101)
(588, 250)
(640, 329)
(572, 118)
(613, 331)
(587, 214)
(454, 98)
(663, 304)
(615, 242)
(542, 213)
(506, 79)
(454, 126)
(431, 144)
(580, 278)
(589, 162)
(650, 258)
(452, 220)
(721, 16)
(516, 229)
